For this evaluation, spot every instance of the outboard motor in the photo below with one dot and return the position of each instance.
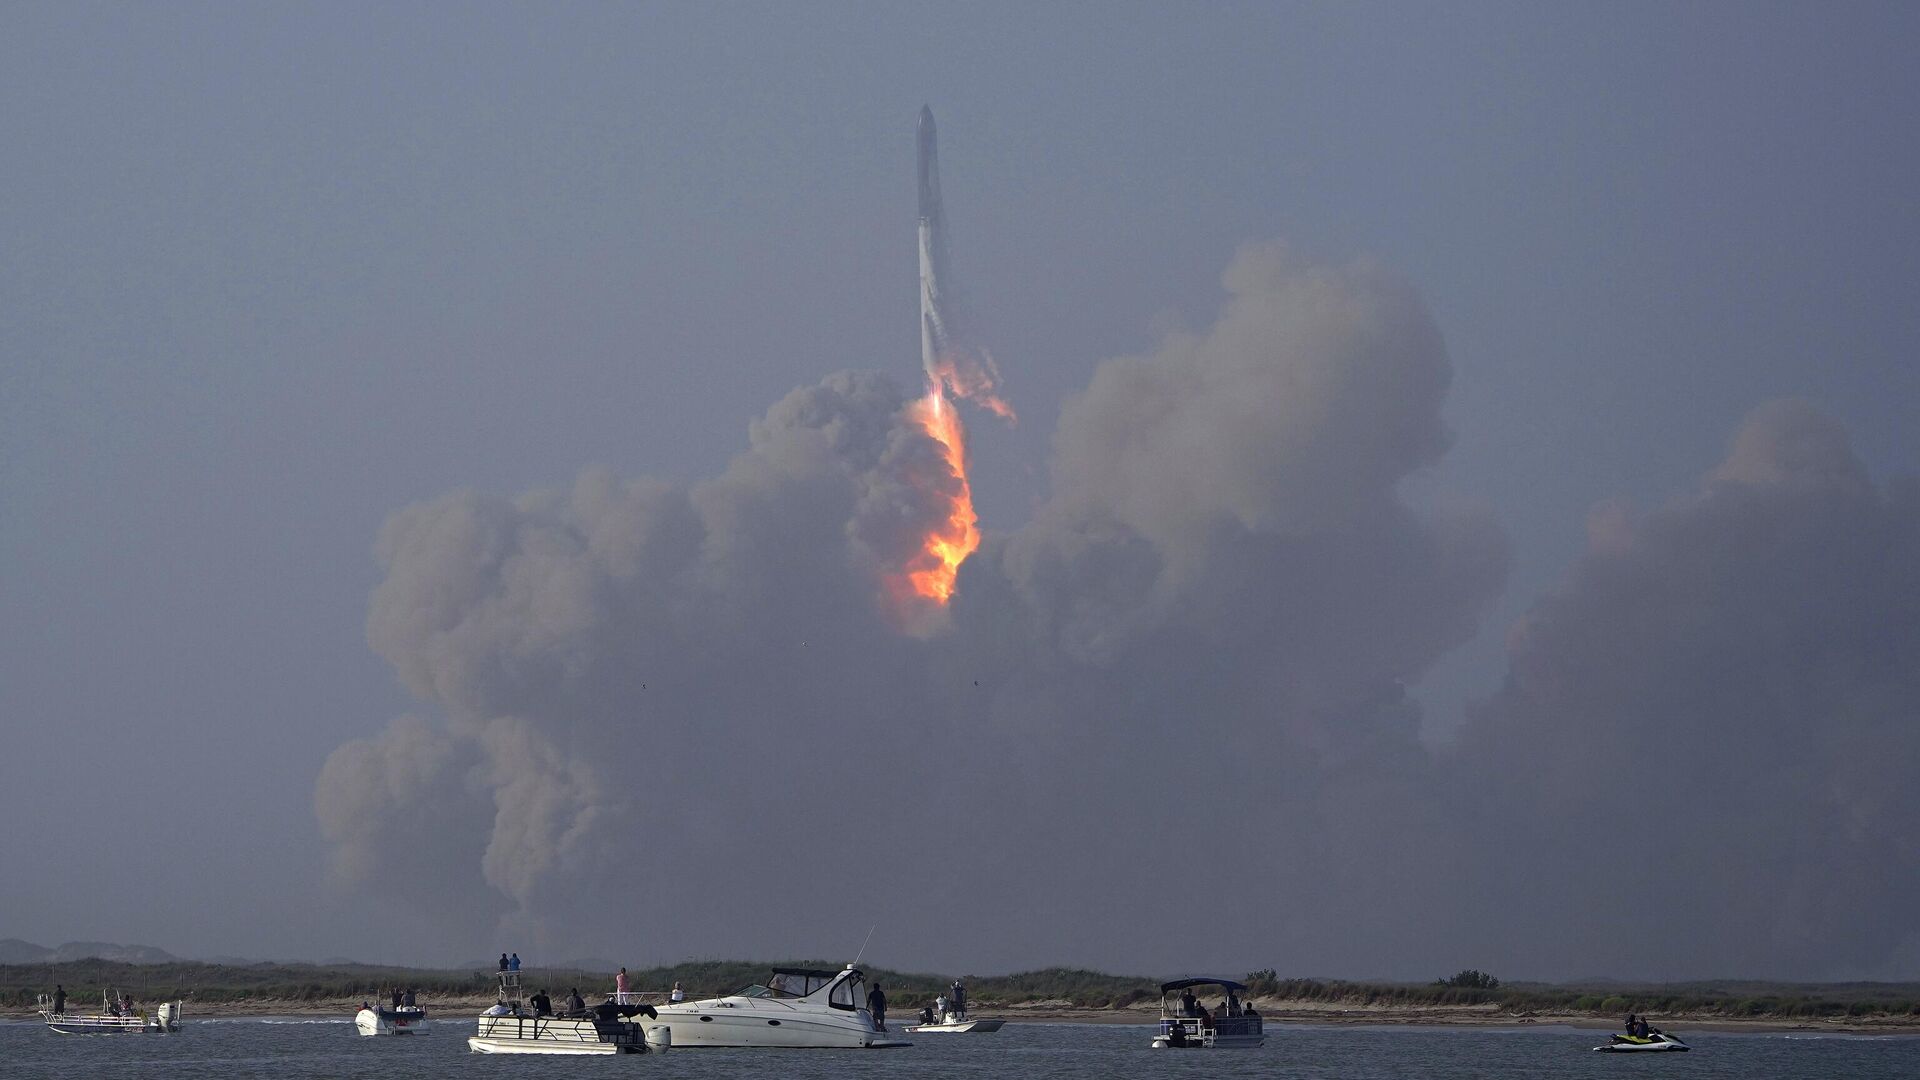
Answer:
(660, 1037)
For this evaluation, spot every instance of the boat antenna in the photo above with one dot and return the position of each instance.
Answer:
(863, 945)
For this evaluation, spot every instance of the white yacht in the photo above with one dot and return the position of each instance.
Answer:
(513, 1026)
(797, 1007)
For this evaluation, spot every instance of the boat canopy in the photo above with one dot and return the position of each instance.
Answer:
(1202, 980)
(810, 973)
(797, 982)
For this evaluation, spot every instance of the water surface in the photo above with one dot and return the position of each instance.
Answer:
(306, 1047)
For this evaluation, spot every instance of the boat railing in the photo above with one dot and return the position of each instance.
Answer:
(1197, 1026)
(554, 1029)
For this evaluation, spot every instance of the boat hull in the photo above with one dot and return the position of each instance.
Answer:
(712, 1024)
(1232, 1033)
(387, 1022)
(529, 1046)
(1659, 1044)
(962, 1028)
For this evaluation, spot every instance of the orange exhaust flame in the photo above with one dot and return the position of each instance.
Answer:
(974, 378)
(930, 574)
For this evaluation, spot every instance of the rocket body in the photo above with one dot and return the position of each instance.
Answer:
(956, 365)
(935, 335)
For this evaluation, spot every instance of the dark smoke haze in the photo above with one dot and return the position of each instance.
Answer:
(1176, 691)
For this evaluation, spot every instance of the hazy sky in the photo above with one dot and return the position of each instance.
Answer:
(1502, 284)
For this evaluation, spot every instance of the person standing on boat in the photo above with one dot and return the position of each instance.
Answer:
(503, 961)
(620, 987)
(940, 1007)
(514, 964)
(877, 1005)
(1189, 1005)
(409, 999)
(59, 1000)
(959, 1000)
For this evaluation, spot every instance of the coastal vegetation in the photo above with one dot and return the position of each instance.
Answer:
(300, 984)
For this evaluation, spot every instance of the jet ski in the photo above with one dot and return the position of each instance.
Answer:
(1654, 1041)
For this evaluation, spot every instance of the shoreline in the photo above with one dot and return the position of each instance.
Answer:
(1276, 1013)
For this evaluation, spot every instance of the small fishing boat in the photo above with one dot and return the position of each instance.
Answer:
(956, 1025)
(381, 1020)
(1186, 1023)
(510, 1026)
(117, 1016)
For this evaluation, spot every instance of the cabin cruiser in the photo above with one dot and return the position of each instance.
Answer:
(381, 1020)
(1186, 1022)
(796, 1007)
(1653, 1041)
(514, 1026)
(117, 1016)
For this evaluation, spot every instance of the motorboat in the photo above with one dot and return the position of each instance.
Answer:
(1186, 1022)
(1655, 1041)
(514, 1026)
(117, 1016)
(796, 1007)
(381, 1020)
(956, 1025)
(948, 1015)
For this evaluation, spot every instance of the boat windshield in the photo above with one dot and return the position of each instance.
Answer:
(791, 984)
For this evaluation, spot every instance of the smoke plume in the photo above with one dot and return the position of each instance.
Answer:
(1703, 755)
(672, 691)
(1175, 694)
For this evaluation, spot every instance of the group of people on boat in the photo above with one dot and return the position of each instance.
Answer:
(950, 1005)
(114, 1002)
(1229, 1006)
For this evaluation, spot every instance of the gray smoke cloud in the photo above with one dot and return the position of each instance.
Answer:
(1703, 756)
(1176, 692)
(1197, 646)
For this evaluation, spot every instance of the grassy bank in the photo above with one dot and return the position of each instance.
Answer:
(1061, 987)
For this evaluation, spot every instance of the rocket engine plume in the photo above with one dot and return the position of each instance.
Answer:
(930, 575)
(955, 370)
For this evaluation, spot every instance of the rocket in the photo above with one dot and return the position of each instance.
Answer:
(955, 363)
(935, 334)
